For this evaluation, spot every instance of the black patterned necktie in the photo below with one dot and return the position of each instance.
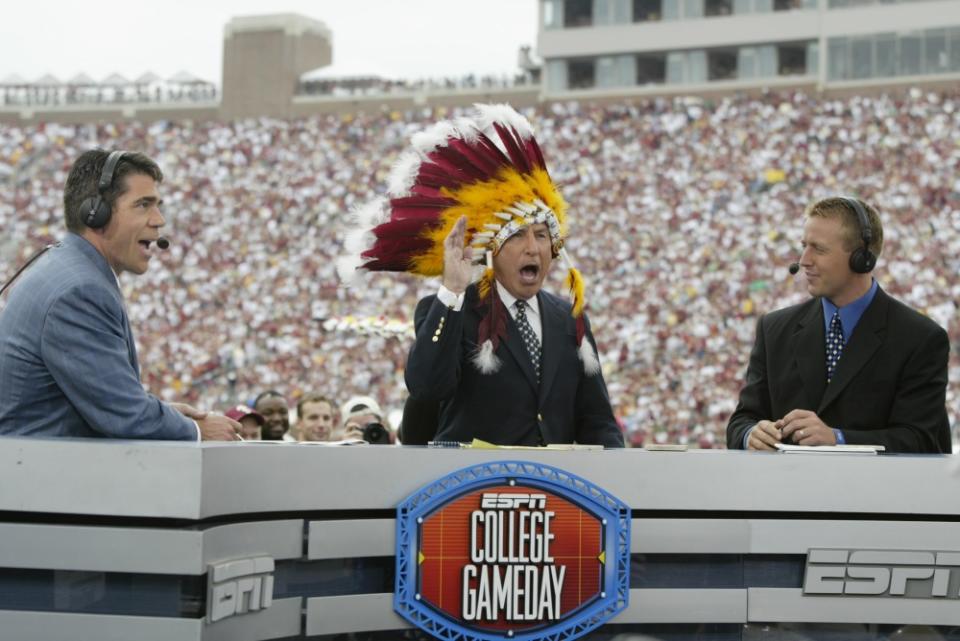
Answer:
(834, 344)
(529, 338)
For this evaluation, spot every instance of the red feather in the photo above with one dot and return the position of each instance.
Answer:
(461, 163)
(490, 166)
(513, 148)
(396, 252)
(490, 150)
(493, 325)
(425, 202)
(400, 227)
(434, 175)
(534, 153)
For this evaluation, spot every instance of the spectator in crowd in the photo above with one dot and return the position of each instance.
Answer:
(315, 418)
(850, 365)
(251, 422)
(363, 419)
(272, 405)
(68, 360)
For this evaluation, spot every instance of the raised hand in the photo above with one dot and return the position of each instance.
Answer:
(457, 259)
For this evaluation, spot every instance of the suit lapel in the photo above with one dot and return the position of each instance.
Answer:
(552, 327)
(808, 352)
(131, 344)
(866, 339)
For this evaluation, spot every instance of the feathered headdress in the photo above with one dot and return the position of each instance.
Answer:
(488, 168)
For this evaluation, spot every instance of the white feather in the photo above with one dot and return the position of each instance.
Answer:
(591, 362)
(403, 174)
(371, 214)
(503, 114)
(485, 360)
(468, 129)
(348, 269)
(427, 141)
(358, 240)
(503, 216)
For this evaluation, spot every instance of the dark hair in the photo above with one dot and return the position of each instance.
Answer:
(313, 398)
(268, 393)
(85, 174)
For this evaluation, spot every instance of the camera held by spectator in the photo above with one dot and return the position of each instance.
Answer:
(363, 419)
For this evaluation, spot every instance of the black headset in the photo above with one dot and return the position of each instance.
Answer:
(862, 260)
(96, 211)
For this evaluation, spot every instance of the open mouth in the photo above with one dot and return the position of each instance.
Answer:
(145, 243)
(529, 273)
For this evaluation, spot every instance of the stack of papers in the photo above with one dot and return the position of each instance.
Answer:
(477, 444)
(829, 449)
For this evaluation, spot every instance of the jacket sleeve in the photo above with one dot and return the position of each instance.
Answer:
(754, 403)
(84, 346)
(917, 421)
(433, 365)
(596, 424)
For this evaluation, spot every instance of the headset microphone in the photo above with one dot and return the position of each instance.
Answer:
(163, 243)
(794, 268)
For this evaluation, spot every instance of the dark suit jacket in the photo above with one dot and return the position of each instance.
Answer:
(508, 407)
(68, 362)
(889, 387)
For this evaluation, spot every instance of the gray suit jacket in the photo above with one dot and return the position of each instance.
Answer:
(68, 363)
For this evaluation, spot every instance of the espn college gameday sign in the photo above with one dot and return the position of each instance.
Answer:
(511, 550)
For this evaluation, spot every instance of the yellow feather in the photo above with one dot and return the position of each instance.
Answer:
(486, 282)
(479, 202)
(574, 282)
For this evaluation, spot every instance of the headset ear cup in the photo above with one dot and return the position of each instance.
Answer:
(96, 212)
(862, 261)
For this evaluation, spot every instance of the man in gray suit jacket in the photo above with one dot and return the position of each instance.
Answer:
(851, 365)
(68, 363)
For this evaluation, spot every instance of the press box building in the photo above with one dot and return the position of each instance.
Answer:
(702, 46)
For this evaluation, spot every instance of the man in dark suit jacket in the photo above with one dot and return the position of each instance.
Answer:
(875, 374)
(514, 405)
(499, 360)
(68, 361)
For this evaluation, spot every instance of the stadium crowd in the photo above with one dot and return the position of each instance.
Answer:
(685, 214)
(65, 94)
(374, 85)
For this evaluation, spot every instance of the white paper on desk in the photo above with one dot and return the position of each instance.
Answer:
(786, 448)
(349, 441)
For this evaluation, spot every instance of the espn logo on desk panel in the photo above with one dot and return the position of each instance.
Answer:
(511, 550)
(883, 573)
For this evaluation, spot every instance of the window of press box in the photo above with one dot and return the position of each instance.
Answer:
(718, 7)
(581, 74)
(651, 69)
(722, 64)
(577, 13)
(647, 10)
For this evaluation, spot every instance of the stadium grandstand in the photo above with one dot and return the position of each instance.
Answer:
(612, 47)
(689, 206)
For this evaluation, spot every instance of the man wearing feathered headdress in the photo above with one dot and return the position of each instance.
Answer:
(506, 362)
